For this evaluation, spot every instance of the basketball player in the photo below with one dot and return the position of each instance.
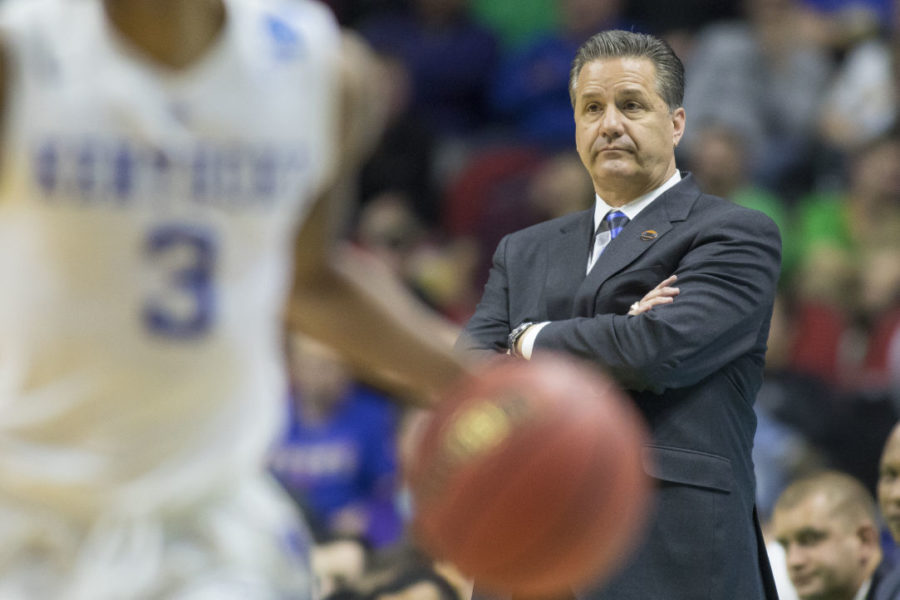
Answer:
(161, 161)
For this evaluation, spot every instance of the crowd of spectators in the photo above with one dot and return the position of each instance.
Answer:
(792, 109)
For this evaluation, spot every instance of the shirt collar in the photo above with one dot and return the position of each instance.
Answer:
(863, 590)
(632, 209)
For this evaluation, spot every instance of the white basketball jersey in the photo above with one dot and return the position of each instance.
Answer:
(146, 226)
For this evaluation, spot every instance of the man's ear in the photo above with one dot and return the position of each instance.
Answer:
(678, 121)
(868, 534)
(870, 544)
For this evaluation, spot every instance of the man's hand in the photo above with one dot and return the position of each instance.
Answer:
(661, 294)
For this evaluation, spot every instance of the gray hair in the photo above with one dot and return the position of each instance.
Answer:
(617, 43)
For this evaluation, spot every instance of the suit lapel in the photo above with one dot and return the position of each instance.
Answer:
(568, 253)
(636, 238)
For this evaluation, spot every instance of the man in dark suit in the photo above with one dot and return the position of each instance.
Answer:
(889, 503)
(828, 526)
(596, 285)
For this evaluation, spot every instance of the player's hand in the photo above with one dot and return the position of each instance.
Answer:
(663, 293)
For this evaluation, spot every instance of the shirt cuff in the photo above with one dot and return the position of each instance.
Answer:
(529, 337)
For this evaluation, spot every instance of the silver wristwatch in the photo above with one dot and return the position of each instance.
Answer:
(514, 336)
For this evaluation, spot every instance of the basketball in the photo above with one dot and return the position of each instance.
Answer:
(528, 477)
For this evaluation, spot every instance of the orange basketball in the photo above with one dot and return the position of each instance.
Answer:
(528, 477)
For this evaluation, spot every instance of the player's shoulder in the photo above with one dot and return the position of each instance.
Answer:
(290, 29)
(307, 13)
(19, 15)
(37, 12)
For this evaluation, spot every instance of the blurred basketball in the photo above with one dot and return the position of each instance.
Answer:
(528, 477)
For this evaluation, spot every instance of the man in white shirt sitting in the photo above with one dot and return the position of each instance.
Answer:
(828, 526)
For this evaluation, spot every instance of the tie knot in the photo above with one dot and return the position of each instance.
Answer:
(615, 220)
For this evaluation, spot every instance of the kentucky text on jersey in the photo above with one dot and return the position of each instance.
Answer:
(125, 173)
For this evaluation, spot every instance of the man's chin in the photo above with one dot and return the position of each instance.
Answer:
(810, 589)
(615, 169)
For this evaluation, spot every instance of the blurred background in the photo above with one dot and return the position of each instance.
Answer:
(792, 109)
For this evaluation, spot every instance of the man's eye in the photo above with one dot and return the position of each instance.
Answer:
(632, 106)
(810, 538)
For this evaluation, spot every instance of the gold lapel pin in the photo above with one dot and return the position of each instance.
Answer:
(648, 235)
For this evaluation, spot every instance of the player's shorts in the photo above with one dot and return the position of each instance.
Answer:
(249, 544)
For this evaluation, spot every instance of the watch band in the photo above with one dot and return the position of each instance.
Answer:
(514, 336)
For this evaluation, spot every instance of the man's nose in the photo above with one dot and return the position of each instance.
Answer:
(611, 123)
(795, 557)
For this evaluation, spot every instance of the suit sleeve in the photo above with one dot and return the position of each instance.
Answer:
(727, 279)
(486, 332)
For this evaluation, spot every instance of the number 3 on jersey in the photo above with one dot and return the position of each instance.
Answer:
(183, 304)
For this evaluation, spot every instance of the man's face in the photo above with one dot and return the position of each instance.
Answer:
(889, 484)
(824, 553)
(624, 132)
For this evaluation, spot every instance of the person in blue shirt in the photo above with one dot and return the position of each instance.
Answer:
(337, 457)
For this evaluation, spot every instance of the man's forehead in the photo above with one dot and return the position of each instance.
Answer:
(793, 523)
(615, 64)
(812, 508)
(617, 74)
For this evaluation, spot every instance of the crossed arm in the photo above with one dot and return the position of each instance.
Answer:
(726, 285)
(663, 293)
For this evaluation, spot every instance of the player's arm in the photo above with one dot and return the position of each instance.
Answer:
(354, 307)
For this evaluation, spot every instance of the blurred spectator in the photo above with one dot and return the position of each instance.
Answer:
(860, 103)
(403, 573)
(351, 12)
(828, 525)
(531, 90)
(443, 274)
(438, 270)
(842, 24)
(504, 189)
(337, 457)
(848, 285)
(831, 230)
(680, 19)
(488, 198)
(795, 413)
(763, 78)
(559, 186)
(398, 572)
(387, 229)
(879, 307)
(889, 502)
(449, 56)
(339, 563)
(516, 22)
(718, 159)
(403, 160)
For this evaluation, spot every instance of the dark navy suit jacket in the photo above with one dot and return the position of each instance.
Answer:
(885, 584)
(693, 368)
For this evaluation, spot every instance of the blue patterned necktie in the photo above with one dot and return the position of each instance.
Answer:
(612, 224)
(616, 220)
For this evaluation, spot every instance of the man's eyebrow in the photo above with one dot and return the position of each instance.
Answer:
(633, 91)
